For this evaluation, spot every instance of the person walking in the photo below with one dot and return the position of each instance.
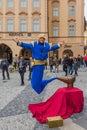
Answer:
(22, 69)
(76, 66)
(15, 61)
(4, 67)
(40, 50)
(51, 64)
(30, 67)
(70, 65)
(65, 64)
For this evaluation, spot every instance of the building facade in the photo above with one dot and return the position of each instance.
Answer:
(58, 20)
(22, 19)
(66, 24)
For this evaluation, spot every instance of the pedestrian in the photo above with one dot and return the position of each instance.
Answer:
(22, 68)
(70, 65)
(79, 60)
(15, 61)
(76, 66)
(65, 64)
(40, 50)
(4, 67)
(51, 64)
(30, 67)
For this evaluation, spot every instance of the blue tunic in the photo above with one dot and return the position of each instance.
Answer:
(39, 52)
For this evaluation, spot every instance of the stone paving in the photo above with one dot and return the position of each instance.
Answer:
(14, 99)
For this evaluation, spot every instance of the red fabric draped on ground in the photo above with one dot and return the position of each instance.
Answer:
(64, 102)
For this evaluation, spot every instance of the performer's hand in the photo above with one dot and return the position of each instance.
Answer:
(60, 44)
(16, 40)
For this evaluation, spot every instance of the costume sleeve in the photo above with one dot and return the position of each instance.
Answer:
(55, 47)
(26, 45)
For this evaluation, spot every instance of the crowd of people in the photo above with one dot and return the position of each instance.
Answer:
(38, 62)
(70, 65)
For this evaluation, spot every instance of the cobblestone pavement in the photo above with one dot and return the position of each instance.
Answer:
(14, 99)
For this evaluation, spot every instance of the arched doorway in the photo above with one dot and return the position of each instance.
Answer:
(67, 52)
(25, 53)
(5, 50)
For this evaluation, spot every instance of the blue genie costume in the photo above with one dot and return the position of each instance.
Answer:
(39, 55)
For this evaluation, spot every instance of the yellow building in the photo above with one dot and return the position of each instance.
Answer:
(22, 19)
(66, 23)
(58, 20)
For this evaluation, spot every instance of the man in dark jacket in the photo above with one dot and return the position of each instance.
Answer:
(71, 64)
(65, 64)
(4, 67)
(22, 69)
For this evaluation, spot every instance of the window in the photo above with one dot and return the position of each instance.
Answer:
(55, 11)
(23, 3)
(10, 25)
(0, 25)
(23, 25)
(36, 3)
(0, 3)
(10, 3)
(71, 10)
(71, 30)
(55, 31)
(36, 25)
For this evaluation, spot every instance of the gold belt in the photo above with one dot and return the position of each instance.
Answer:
(38, 62)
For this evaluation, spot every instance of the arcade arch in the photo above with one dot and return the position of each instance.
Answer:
(67, 52)
(6, 50)
(25, 53)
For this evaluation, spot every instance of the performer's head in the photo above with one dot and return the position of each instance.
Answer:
(41, 39)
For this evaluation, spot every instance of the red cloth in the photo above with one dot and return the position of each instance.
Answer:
(64, 102)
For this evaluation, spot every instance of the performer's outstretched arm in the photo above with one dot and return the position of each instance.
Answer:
(55, 47)
(24, 45)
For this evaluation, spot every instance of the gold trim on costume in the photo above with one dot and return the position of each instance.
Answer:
(38, 62)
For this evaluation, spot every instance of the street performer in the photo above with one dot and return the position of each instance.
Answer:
(40, 51)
